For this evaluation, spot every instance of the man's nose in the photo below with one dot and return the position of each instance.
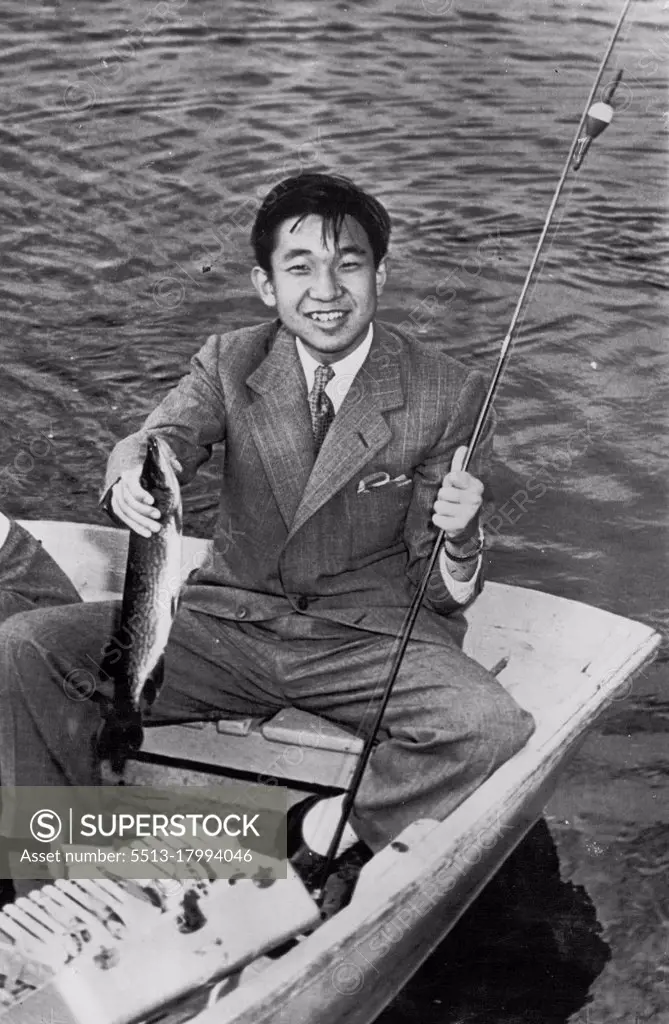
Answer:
(326, 287)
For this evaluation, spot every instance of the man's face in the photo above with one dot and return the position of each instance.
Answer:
(326, 296)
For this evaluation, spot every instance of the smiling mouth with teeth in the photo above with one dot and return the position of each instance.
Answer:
(327, 317)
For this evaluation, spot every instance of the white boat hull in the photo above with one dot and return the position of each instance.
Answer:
(566, 662)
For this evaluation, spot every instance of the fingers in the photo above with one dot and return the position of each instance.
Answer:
(457, 509)
(456, 490)
(460, 481)
(133, 505)
(454, 518)
(142, 523)
(459, 498)
(458, 460)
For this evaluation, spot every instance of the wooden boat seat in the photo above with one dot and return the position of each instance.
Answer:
(293, 746)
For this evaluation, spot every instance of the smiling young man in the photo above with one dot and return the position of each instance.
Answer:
(325, 293)
(343, 441)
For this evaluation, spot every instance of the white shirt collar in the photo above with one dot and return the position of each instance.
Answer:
(345, 369)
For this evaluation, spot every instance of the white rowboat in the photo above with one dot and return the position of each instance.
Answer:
(564, 661)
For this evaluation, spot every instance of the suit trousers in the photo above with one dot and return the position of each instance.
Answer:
(449, 723)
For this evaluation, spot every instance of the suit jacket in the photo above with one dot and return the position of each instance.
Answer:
(294, 534)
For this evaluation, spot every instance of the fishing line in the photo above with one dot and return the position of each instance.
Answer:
(593, 121)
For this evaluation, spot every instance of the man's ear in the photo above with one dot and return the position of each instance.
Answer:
(381, 275)
(262, 283)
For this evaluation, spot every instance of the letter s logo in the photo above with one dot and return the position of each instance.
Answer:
(45, 826)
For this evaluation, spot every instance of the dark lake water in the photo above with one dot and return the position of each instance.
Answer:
(135, 141)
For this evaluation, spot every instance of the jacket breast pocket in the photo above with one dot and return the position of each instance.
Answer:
(376, 516)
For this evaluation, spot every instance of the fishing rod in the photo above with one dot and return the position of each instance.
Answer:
(594, 119)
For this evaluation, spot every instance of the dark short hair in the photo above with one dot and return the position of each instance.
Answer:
(330, 196)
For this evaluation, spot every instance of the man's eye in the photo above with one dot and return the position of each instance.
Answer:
(299, 268)
(350, 265)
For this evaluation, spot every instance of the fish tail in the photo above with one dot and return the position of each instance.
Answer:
(119, 737)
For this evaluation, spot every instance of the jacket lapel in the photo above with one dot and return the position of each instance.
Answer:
(359, 430)
(280, 423)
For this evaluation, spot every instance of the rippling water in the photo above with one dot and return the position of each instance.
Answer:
(135, 141)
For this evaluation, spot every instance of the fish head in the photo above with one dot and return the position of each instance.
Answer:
(158, 476)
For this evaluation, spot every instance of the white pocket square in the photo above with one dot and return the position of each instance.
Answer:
(381, 480)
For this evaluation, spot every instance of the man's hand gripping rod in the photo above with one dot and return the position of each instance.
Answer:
(594, 120)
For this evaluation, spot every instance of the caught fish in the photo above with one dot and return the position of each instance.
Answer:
(133, 658)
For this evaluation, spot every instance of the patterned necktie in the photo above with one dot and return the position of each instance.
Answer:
(320, 406)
